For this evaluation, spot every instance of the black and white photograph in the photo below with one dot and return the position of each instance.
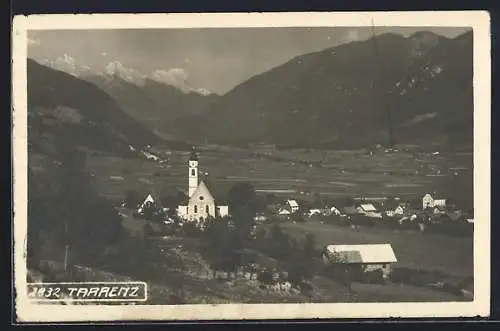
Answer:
(249, 166)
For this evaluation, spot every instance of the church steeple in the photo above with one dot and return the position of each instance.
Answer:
(194, 155)
(193, 172)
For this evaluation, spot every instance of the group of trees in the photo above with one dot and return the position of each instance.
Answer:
(299, 257)
(228, 240)
(70, 223)
(67, 219)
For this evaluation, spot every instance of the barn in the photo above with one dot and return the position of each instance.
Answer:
(365, 258)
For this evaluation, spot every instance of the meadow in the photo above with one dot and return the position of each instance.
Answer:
(341, 174)
(414, 250)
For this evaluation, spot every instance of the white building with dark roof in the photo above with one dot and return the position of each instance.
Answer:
(369, 210)
(365, 257)
(292, 205)
(428, 201)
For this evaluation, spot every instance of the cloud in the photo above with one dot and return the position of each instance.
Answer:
(177, 77)
(116, 68)
(352, 35)
(68, 64)
(203, 91)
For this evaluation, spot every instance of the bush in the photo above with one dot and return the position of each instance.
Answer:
(374, 277)
(148, 230)
(189, 229)
(416, 277)
(361, 220)
(453, 228)
(265, 277)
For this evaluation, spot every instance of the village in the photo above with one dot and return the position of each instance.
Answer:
(260, 223)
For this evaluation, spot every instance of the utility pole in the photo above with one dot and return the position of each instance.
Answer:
(383, 94)
(66, 248)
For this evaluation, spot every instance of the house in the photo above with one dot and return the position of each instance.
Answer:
(439, 210)
(335, 211)
(152, 199)
(314, 212)
(260, 218)
(429, 202)
(368, 210)
(200, 202)
(363, 258)
(284, 211)
(398, 211)
(292, 206)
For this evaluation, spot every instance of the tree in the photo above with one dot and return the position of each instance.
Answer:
(148, 230)
(310, 247)
(243, 221)
(171, 201)
(270, 198)
(132, 199)
(242, 195)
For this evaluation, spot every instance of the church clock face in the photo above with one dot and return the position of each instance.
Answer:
(201, 198)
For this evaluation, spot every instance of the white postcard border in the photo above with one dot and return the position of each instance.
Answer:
(478, 20)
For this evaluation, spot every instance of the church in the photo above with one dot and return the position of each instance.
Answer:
(200, 203)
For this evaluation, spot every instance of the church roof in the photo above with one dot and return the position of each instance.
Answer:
(220, 199)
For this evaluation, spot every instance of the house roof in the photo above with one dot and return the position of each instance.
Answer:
(284, 212)
(293, 203)
(365, 253)
(368, 207)
(152, 197)
(219, 198)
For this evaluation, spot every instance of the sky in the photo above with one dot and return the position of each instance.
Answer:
(213, 59)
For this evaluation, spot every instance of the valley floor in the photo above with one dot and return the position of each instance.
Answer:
(346, 174)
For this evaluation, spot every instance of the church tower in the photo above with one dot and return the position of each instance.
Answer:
(193, 172)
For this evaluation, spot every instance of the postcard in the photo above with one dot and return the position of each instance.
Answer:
(231, 166)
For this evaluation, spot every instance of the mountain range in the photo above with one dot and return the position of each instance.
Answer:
(162, 95)
(350, 96)
(153, 102)
(387, 90)
(62, 108)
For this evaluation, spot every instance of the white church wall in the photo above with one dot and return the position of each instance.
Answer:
(182, 211)
(201, 204)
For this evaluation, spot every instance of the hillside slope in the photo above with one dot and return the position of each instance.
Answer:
(341, 97)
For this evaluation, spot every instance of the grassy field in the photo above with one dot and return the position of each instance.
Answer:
(344, 173)
(453, 256)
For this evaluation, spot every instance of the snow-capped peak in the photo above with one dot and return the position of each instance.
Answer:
(176, 77)
(68, 64)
